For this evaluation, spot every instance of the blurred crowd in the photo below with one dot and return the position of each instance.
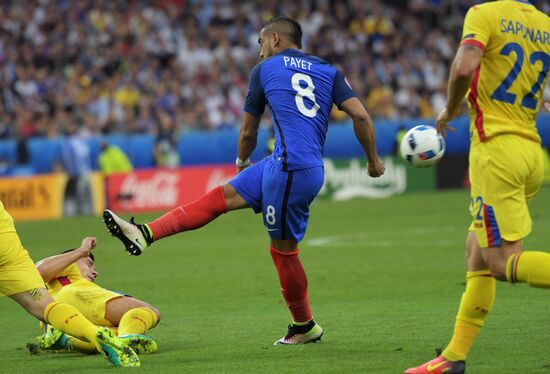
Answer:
(167, 66)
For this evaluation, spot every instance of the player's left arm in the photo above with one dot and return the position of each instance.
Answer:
(345, 99)
(363, 127)
(248, 138)
(51, 267)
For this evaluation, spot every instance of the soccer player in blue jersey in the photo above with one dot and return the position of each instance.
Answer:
(299, 90)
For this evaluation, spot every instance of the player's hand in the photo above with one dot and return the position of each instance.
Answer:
(87, 245)
(547, 106)
(376, 168)
(442, 122)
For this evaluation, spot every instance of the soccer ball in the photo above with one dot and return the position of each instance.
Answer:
(422, 146)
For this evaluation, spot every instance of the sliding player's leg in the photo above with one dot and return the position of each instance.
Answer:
(133, 318)
(55, 340)
(70, 321)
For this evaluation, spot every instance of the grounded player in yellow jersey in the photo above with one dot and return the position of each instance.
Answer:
(70, 279)
(20, 280)
(501, 67)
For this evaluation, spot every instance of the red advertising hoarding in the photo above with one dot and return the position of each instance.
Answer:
(162, 189)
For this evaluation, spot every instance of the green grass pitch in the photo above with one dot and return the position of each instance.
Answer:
(385, 281)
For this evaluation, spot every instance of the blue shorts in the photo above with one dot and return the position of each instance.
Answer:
(283, 197)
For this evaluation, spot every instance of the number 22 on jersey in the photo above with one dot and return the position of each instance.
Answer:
(528, 100)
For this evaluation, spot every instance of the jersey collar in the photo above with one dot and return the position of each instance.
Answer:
(290, 51)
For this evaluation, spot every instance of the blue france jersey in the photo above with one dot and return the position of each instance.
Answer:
(299, 90)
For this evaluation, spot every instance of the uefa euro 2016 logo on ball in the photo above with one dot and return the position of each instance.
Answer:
(422, 146)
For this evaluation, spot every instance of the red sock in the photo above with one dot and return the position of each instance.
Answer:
(190, 216)
(293, 283)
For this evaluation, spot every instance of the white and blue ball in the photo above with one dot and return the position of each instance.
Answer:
(422, 146)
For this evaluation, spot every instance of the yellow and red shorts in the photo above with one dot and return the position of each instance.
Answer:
(506, 172)
(89, 298)
(17, 270)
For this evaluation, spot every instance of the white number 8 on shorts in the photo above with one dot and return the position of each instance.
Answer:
(270, 215)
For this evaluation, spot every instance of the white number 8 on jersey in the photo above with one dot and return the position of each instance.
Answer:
(304, 92)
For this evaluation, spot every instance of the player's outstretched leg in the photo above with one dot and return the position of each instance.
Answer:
(116, 352)
(311, 332)
(139, 343)
(135, 237)
(439, 365)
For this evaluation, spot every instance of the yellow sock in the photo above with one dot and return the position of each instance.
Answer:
(82, 346)
(68, 319)
(477, 301)
(137, 321)
(530, 267)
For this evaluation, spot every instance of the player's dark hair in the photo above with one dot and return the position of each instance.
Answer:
(287, 26)
(72, 249)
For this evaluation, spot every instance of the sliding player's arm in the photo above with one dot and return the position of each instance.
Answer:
(50, 267)
(364, 132)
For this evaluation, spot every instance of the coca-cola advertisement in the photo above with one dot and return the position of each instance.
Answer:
(161, 189)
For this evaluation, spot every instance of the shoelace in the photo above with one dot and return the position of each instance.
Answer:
(291, 331)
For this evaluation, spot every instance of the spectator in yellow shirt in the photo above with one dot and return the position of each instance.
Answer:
(113, 160)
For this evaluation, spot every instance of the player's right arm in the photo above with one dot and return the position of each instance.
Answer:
(254, 107)
(50, 267)
(465, 63)
(364, 132)
(475, 36)
(248, 138)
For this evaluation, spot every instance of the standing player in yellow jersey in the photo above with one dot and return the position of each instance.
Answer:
(20, 280)
(502, 66)
(70, 278)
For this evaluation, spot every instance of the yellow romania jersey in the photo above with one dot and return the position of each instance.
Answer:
(6, 222)
(70, 275)
(506, 90)
(89, 298)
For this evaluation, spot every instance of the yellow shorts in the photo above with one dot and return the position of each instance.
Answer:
(90, 299)
(506, 172)
(17, 271)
